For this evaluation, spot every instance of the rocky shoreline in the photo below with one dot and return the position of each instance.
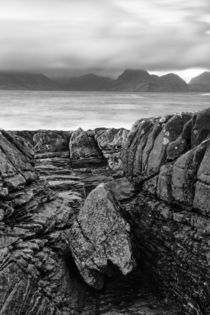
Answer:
(107, 221)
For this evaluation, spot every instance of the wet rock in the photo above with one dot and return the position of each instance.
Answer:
(100, 237)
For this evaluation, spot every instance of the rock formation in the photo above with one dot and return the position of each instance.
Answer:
(133, 245)
(100, 237)
(167, 159)
(84, 150)
(34, 250)
(110, 141)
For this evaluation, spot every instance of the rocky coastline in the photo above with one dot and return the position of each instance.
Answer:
(107, 221)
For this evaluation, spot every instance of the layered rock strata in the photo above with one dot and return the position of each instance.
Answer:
(168, 160)
(131, 237)
(36, 273)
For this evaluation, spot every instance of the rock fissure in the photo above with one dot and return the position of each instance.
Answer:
(138, 239)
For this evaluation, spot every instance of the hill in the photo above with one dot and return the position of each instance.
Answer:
(26, 81)
(201, 83)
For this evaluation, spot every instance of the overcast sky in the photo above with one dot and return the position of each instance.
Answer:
(105, 36)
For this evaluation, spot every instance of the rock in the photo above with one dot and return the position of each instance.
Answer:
(202, 188)
(50, 141)
(146, 149)
(121, 188)
(200, 127)
(167, 160)
(50, 235)
(110, 141)
(84, 150)
(34, 221)
(100, 237)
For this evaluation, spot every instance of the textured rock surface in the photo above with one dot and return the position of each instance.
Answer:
(168, 159)
(37, 272)
(84, 149)
(36, 275)
(100, 237)
(110, 141)
(45, 224)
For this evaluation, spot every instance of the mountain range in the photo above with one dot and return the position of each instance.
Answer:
(128, 81)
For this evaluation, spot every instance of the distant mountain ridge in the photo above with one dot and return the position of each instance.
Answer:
(142, 81)
(26, 81)
(201, 83)
(129, 81)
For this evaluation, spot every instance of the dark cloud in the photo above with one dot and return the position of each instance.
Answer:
(105, 36)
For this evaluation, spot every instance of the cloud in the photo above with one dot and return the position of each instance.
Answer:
(105, 36)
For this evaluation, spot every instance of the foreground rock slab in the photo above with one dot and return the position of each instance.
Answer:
(100, 238)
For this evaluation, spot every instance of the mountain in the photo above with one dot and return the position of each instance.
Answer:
(171, 83)
(132, 80)
(26, 81)
(142, 81)
(129, 81)
(201, 83)
(88, 82)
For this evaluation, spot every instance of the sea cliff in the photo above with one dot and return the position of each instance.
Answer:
(107, 221)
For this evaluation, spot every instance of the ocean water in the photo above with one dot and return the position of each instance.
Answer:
(29, 110)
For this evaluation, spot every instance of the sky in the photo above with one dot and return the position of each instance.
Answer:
(74, 37)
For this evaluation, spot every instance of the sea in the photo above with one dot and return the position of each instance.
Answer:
(57, 110)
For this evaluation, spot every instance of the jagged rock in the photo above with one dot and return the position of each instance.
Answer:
(45, 224)
(50, 141)
(110, 141)
(84, 150)
(34, 251)
(146, 149)
(200, 127)
(167, 159)
(100, 236)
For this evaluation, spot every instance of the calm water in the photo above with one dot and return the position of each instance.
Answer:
(70, 110)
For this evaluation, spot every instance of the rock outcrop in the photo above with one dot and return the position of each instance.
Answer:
(167, 159)
(142, 240)
(35, 259)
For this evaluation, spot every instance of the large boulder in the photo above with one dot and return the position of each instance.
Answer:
(84, 150)
(100, 237)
